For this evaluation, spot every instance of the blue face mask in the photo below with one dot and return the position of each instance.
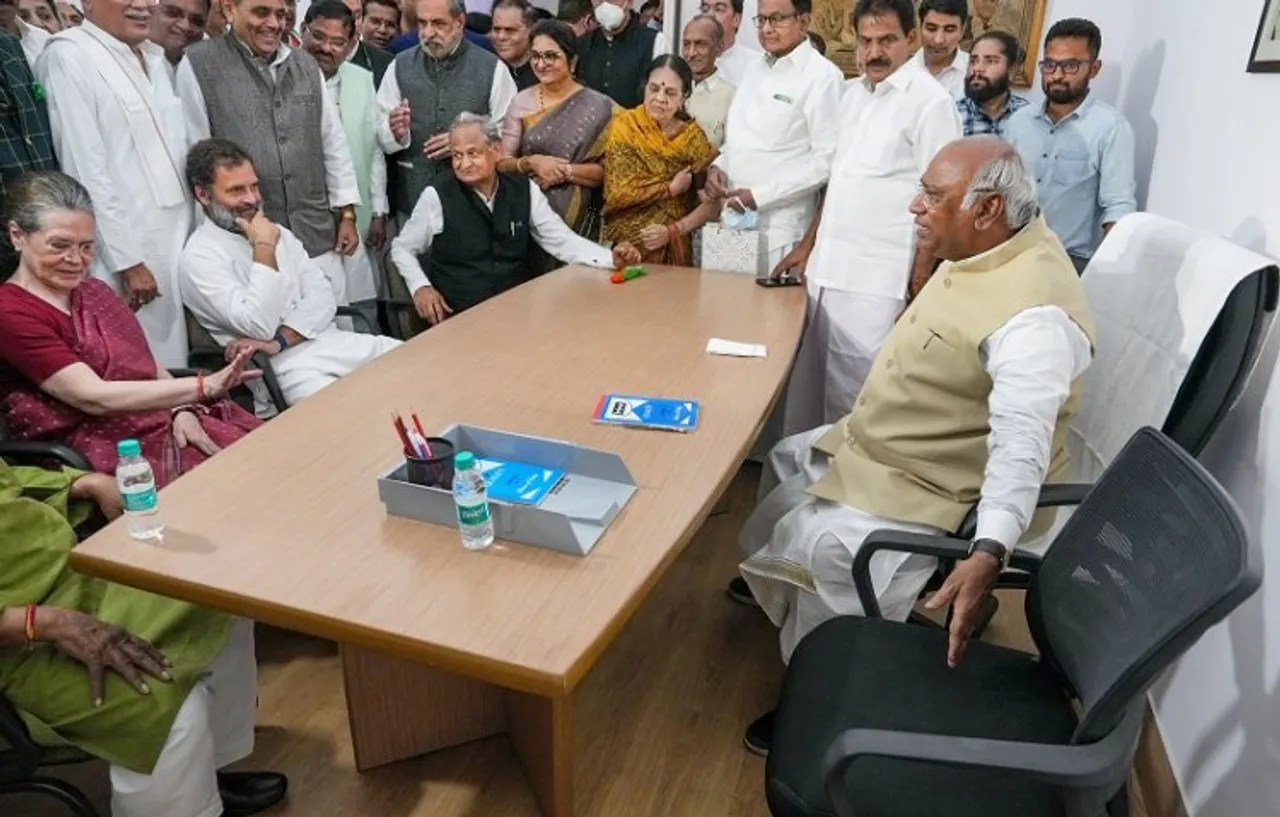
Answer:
(733, 220)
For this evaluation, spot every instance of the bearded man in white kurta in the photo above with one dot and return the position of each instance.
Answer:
(251, 283)
(967, 404)
(893, 120)
(118, 129)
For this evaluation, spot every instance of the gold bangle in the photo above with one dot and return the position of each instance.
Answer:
(348, 215)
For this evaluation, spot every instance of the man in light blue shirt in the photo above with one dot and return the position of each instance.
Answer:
(1080, 148)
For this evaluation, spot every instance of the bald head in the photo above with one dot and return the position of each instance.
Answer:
(975, 194)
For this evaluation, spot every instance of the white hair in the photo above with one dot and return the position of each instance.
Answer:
(492, 133)
(1006, 176)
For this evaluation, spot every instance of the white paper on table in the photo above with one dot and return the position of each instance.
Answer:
(720, 346)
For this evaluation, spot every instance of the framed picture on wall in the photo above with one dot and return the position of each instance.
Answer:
(833, 19)
(1265, 57)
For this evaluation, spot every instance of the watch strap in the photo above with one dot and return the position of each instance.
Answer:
(992, 547)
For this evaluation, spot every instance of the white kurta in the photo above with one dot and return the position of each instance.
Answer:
(780, 139)
(339, 172)
(800, 548)
(861, 261)
(118, 129)
(232, 296)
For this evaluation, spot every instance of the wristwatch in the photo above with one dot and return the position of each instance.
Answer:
(991, 547)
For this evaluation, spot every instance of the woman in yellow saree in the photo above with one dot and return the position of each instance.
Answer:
(655, 159)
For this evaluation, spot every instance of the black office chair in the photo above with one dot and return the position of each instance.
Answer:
(21, 760)
(872, 723)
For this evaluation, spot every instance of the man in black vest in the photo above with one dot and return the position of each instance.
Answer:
(478, 223)
(512, 20)
(613, 58)
(363, 53)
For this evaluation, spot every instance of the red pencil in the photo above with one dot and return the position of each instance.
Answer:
(418, 425)
(404, 435)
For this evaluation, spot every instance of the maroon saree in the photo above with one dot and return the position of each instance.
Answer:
(109, 340)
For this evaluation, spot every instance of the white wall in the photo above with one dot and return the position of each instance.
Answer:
(1207, 144)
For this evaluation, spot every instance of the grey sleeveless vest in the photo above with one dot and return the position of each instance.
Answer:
(437, 90)
(278, 124)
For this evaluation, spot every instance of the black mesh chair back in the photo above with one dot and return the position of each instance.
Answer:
(1155, 556)
(1221, 367)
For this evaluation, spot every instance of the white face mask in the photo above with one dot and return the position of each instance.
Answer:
(609, 15)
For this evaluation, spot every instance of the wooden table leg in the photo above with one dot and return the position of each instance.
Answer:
(542, 733)
(398, 710)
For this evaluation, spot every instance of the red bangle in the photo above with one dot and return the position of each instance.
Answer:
(31, 626)
(201, 396)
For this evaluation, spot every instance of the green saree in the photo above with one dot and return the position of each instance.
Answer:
(51, 689)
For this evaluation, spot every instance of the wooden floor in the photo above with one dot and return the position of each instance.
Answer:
(658, 722)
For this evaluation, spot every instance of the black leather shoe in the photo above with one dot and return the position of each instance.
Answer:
(759, 737)
(740, 591)
(245, 793)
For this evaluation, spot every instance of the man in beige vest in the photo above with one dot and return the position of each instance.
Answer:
(967, 403)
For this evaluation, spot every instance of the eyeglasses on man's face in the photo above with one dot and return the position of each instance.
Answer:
(1068, 67)
(773, 20)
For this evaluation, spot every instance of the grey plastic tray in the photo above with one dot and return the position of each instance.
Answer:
(571, 519)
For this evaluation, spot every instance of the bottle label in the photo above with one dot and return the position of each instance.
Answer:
(137, 501)
(477, 514)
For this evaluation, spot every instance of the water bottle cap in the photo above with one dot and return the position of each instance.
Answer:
(128, 448)
(464, 460)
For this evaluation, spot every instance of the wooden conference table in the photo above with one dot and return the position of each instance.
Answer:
(441, 646)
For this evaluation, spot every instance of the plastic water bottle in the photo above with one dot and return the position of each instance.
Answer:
(137, 484)
(472, 500)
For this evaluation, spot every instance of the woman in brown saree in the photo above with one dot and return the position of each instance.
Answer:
(655, 156)
(554, 132)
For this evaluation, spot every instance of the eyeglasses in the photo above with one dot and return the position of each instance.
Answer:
(545, 56)
(773, 20)
(1068, 67)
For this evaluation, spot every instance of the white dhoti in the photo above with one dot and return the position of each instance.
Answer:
(843, 334)
(332, 264)
(214, 728)
(308, 367)
(800, 549)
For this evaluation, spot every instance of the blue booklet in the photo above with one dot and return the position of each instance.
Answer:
(516, 482)
(647, 412)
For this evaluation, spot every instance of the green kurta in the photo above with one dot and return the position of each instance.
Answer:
(51, 689)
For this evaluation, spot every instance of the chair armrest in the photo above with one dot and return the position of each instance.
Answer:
(27, 451)
(270, 381)
(358, 319)
(183, 372)
(943, 547)
(1063, 494)
(1073, 767)
(25, 753)
(204, 358)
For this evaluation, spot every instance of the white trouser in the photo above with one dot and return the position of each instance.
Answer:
(214, 728)
(842, 336)
(800, 549)
(308, 367)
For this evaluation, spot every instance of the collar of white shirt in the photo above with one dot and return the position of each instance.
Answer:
(708, 84)
(959, 62)
(797, 56)
(900, 80)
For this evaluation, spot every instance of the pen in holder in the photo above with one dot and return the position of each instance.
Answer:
(434, 470)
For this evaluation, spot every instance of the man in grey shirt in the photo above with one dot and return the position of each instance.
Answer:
(1080, 148)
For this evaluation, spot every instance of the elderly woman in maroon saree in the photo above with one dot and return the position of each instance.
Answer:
(75, 367)
(554, 132)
